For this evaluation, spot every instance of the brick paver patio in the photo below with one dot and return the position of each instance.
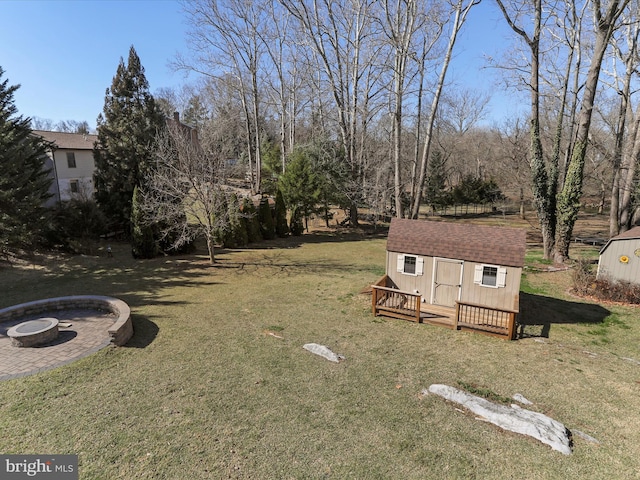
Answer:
(86, 334)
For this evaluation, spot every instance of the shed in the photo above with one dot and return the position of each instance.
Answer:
(620, 258)
(455, 268)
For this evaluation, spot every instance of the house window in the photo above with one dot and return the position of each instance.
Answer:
(490, 276)
(410, 264)
(71, 159)
(73, 186)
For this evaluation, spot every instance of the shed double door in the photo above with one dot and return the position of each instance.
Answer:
(447, 282)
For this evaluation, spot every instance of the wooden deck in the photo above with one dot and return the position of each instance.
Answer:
(392, 302)
(499, 322)
(438, 315)
(395, 303)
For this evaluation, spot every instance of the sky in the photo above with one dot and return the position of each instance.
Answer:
(64, 54)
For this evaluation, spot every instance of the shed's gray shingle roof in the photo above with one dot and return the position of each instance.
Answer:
(68, 141)
(474, 243)
(631, 233)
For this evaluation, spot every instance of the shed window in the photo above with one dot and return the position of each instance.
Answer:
(490, 276)
(410, 264)
(71, 159)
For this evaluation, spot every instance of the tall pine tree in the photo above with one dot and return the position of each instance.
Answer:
(24, 182)
(436, 194)
(127, 129)
(143, 244)
(300, 186)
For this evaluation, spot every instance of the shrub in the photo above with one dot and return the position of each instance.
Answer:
(74, 226)
(250, 219)
(143, 244)
(282, 229)
(234, 233)
(265, 217)
(221, 233)
(583, 277)
(296, 225)
(167, 244)
(585, 283)
(237, 226)
(607, 289)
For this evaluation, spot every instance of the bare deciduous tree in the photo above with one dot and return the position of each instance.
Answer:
(226, 40)
(557, 211)
(626, 126)
(461, 9)
(516, 14)
(514, 141)
(184, 194)
(400, 23)
(66, 126)
(337, 35)
(606, 21)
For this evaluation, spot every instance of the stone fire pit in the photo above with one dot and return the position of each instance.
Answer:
(33, 332)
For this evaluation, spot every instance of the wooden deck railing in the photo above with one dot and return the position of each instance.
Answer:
(492, 321)
(395, 303)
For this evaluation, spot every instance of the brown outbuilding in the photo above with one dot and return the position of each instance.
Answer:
(459, 275)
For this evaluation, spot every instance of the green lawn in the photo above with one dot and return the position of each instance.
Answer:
(203, 390)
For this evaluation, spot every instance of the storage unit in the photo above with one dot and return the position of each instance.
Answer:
(449, 265)
(620, 258)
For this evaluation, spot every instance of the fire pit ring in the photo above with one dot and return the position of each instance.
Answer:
(34, 332)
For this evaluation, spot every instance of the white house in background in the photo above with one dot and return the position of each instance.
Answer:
(71, 164)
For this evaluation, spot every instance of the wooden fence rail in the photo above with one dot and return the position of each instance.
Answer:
(395, 303)
(492, 321)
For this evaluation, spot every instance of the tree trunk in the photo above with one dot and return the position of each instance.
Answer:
(624, 112)
(210, 249)
(256, 127)
(459, 19)
(540, 187)
(628, 172)
(247, 132)
(569, 198)
(397, 145)
(539, 175)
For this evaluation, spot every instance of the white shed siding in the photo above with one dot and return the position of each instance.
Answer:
(506, 297)
(610, 266)
(410, 283)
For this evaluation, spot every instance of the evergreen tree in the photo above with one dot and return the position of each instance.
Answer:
(196, 113)
(142, 243)
(126, 132)
(267, 225)
(236, 225)
(233, 232)
(436, 194)
(475, 190)
(271, 167)
(295, 224)
(282, 229)
(300, 187)
(331, 176)
(24, 182)
(221, 233)
(250, 218)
